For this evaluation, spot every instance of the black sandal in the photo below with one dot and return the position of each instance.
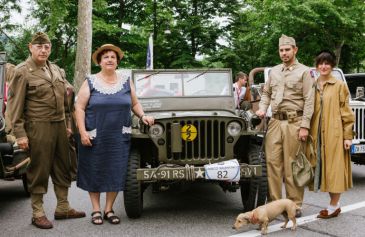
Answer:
(96, 218)
(112, 219)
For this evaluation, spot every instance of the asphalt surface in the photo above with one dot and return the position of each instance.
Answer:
(198, 210)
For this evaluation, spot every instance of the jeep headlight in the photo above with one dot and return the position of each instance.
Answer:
(156, 130)
(234, 128)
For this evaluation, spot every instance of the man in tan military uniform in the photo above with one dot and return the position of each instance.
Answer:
(289, 90)
(37, 99)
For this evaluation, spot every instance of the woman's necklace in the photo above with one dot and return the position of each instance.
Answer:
(109, 79)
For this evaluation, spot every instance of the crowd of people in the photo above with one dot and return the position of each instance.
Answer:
(41, 113)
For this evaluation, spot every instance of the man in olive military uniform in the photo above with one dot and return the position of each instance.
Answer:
(289, 90)
(37, 100)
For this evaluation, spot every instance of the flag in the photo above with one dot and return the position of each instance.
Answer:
(149, 60)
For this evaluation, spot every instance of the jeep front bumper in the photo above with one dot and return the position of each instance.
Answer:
(189, 172)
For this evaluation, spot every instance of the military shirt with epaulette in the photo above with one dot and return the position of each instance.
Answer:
(36, 94)
(289, 89)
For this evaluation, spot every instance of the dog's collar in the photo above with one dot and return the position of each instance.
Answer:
(253, 218)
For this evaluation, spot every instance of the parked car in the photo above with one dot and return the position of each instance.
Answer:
(196, 124)
(356, 83)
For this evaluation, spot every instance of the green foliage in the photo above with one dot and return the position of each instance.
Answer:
(315, 24)
(7, 7)
(57, 18)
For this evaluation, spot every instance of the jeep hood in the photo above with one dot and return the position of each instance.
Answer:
(221, 103)
(197, 114)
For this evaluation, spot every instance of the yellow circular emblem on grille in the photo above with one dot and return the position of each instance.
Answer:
(188, 132)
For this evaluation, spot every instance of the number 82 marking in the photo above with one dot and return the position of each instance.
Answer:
(222, 174)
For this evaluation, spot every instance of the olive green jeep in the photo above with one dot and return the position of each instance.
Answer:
(196, 124)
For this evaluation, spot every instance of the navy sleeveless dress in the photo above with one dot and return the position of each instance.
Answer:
(103, 166)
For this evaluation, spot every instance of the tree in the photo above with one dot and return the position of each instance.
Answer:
(57, 19)
(6, 8)
(84, 41)
(315, 24)
(250, 33)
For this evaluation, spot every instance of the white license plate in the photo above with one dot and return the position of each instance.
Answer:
(227, 170)
(357, 149)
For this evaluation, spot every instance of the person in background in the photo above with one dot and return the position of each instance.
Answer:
(289, 90)
(103, 115)
(239, 89)
(37, 101)
(331, 129)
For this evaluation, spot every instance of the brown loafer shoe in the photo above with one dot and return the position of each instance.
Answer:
(324, 214)
(42, 222)
(72, 213)
(323, 211)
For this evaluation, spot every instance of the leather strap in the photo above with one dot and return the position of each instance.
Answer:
(282, 115)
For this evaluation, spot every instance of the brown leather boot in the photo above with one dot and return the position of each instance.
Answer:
(72, 213)
(42, 222)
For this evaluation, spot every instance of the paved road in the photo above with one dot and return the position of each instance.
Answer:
(201, 210)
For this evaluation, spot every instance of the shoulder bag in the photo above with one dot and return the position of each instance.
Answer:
(302, 169)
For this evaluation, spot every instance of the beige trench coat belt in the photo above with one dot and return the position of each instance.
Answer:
(289, 115)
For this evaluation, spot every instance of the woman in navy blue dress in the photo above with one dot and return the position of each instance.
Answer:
(103, 114)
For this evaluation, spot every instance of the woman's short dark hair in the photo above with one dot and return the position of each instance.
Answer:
(326, 56)
(98, 58)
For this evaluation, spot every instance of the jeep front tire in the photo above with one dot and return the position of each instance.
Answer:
(133, 194)
(254, 191)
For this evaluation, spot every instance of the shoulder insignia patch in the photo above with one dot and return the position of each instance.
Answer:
(312, 73)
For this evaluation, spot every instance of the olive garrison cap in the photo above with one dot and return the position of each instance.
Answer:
(286, 40)
(40, 38)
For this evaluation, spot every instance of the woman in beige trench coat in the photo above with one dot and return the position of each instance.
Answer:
(331, 129)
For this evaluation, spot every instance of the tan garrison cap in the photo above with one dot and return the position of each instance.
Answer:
(40, 38)
(112, 47)
(286, 40)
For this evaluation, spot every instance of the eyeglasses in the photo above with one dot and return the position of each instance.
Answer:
(42, 46)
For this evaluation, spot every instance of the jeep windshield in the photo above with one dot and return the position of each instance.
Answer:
(183, 83)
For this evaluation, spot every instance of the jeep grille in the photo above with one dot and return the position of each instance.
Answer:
(209, 143)
(359, 123)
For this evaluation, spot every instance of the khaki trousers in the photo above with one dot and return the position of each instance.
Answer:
(281, 144)
(49, 153)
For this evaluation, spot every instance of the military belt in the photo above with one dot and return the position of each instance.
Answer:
(287, 115)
